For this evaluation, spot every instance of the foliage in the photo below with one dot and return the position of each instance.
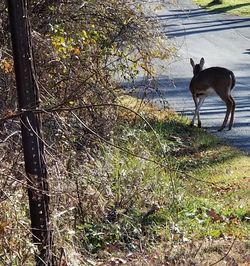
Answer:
(83, 50)
(80, 49)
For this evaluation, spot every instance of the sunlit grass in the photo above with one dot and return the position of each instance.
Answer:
(237, 7)
(201, 184)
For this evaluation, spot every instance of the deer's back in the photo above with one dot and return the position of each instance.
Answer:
(216, 78)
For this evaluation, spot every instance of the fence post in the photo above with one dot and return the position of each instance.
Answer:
(33, 148)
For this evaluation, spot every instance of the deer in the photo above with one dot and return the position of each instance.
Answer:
(212, 81)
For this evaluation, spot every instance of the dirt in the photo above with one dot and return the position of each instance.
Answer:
(229, 252)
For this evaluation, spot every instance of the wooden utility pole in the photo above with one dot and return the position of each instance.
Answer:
(33, 148)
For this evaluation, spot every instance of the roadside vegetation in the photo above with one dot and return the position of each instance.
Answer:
(129, 183)
(236, 7)
(159, 187)
(180, 186)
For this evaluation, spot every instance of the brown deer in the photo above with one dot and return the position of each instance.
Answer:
(213, 80)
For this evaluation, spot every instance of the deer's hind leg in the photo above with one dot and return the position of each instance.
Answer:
(232, 113)
(230, 109)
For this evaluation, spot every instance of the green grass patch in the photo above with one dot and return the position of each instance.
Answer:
(167, 181)
(236, 7)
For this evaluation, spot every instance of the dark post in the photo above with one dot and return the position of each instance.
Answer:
(33, 148)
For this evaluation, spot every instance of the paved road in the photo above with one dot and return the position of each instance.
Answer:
(223, 41)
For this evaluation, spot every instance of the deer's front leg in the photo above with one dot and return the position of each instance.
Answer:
(198, 105)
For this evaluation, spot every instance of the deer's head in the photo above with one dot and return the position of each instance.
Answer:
(197, 68)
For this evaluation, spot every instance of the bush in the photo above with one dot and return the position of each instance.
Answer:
(82, 52)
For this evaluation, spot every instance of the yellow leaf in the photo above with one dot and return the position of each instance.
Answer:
(77, 51)
(7, 65)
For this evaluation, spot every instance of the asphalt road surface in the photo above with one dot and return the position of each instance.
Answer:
(223, 40)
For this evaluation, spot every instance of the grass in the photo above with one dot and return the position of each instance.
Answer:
(180, 185)
(236, 7)
(198, 182)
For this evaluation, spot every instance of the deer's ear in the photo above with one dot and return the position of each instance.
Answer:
(192, 62)
(202, 62)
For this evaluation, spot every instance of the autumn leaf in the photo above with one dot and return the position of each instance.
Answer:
(7, 65)
(215, 216)
(77, 51)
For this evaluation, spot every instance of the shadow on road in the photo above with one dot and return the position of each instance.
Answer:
(247, 51)
(203, 25)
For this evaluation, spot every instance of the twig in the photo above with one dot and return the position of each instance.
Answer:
(198, 250)
(222, 258)
(12, 134)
